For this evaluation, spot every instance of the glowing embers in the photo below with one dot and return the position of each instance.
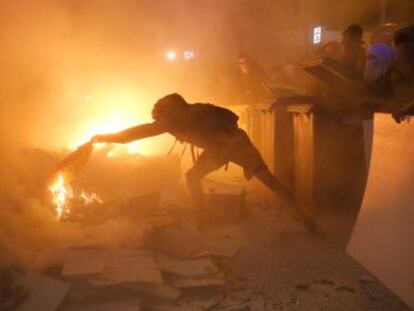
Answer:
(66, 202)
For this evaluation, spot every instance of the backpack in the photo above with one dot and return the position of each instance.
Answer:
(202, 120)
(211, 118)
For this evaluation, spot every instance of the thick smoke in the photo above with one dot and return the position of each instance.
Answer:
(59, 58)
(68, 63)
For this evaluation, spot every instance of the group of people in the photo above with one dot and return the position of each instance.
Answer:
(386, 65)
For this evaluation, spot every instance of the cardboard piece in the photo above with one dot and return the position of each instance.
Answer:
(188, 268)
(334, 74)
(99, 282)
(202, 253)
(90, 267)
(222, 248)
(132, 269)
(190, 304)
(159, 291)
(82, 261)
(382, 240)
(141, 206)
(46, 294)
(207, 281)
(176, 242)
(225, 204)
(111, 306)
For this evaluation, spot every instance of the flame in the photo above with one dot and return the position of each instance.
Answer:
(110, 110)
(60, 195)
(91, 198)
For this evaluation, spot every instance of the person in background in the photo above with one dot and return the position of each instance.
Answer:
(381, 58)
(384, 34)
(403, 84)
(353, 54)
(249, 80)
(332, 49)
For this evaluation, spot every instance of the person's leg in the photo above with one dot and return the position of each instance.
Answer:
(247, 156)
(206, 164)
(268, 179)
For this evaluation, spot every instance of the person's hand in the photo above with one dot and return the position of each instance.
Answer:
(97, 139)
(399, 115)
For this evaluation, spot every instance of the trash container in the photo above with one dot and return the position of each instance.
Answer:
(276, 142)
(303, 145)
(269, 126)
(329, 158)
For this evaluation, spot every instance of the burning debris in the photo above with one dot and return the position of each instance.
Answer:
(66, 201)
(124, 243)
(145, 272)
(64, 198)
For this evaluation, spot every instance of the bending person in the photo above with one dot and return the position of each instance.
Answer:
(215, 130)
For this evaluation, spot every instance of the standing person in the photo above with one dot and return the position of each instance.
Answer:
(381, 58)
(332, 49)
(213, 129)
(403, 87)
(384, 34)
(353, 54)
(250, 79)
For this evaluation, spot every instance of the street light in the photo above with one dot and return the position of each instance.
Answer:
(171, 55)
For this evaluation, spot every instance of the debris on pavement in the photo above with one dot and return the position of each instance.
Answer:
(46, 294)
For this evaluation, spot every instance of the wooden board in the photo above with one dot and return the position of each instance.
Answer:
(382, 240)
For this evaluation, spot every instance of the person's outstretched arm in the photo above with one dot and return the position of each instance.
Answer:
(131, 134)
(401, 114)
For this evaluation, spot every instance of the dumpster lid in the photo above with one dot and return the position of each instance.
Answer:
(286, 101)
(300, 108)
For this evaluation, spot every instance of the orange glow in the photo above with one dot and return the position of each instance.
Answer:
(110, 112)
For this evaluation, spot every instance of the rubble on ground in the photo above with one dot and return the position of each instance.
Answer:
(158, 265)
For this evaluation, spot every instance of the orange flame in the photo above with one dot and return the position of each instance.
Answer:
(59, 196)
